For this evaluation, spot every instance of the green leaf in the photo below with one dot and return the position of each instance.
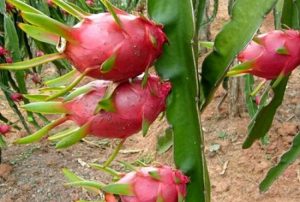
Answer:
(62, 134)
(36, 97)
(2, 7)
(278, 14)
(73, 138)
(287, 159)
(31, 63)
(46, 107)
(70, 9)
(79, 91)
(206, 44)
(40, 133)
(2, 143)
(68, 88)
(106, 103)
(262, 121)
(251, 106)
(145, 126)
(240, 68)
(40, 34)
(112, 11)
(282, 51)
(96, 186)
(106, 169)
(178, 64)
(290, 16)
(62, 80)
(71, 177)
(155, 175)
(49, 25)
(165, 142)
(108, 64)
(119, 189)
(24, 7)
(247, 16)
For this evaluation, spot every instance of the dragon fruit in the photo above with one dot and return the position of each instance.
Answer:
(129, 108)
(2, 51)
(9, 59)
(271, 54)
(152, 184)
(113, 45)
(115, 53)
(4, 129)
(16, 97)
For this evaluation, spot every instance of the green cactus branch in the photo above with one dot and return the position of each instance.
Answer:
(179, 65)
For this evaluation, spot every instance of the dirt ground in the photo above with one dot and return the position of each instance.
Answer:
(33, 172)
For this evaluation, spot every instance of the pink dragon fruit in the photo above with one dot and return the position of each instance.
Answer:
(90, 2)
(112, 52)
(16, 97)
(9, 59)
(130, 107)
(152, 184)
(4, 129)
(39, 53)
(2, 51)
(272, 54)
(50, 3)
(110, 46)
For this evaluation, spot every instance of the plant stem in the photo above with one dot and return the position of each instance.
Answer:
(114, 154)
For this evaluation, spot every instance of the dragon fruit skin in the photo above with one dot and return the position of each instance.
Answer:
(168, 184)
(266, 59)
(132, 47)
(16, 97)
(133, 104)
(4, 129)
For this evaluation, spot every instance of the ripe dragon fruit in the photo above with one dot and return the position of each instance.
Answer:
(16, 97)
(4, 129)
(130, 107)
(152, 184)
(122, 52)
(270, 55)
(2, 51)
(111, 46)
